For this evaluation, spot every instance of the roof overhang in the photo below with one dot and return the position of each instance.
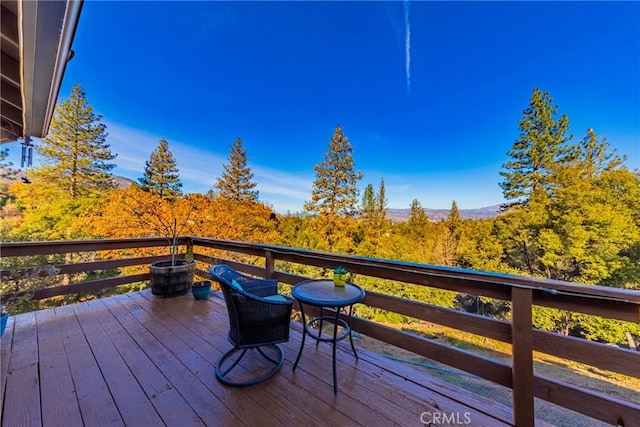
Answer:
(36, 45)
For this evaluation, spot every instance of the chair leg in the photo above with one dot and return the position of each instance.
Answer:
(233, 365)
(221, 376)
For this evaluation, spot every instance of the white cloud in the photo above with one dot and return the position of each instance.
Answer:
(199, 167)
(407, 44)
(271, 181)
(287, 191)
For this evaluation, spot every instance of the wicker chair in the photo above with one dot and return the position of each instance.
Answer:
(258, 317)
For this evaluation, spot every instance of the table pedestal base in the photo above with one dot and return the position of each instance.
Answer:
(337, 322)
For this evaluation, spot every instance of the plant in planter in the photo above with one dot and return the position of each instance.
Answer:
(201, 290)
(339, 276)
(153, 209)
(174, 277)
(171, 278)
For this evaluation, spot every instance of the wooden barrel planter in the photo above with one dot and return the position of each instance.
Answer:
(171, 280)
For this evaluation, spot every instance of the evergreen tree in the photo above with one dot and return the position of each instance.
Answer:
(453, 219)
(334, 189)
(382, 207)
(594, 156)
(482, 249)
(591, 226)
(75, 154)
(4, 153)
(538, 151)
(451, 238)
(236, 180)
(416, 244)
(6, 173)
(334, 197)
(161, 173)
(518, 231)
(374, 208)
(369, 206)
(373, 220)
(418, 220)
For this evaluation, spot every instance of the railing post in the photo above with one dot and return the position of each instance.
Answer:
(189, 254)
(522, 357)
(269, 264)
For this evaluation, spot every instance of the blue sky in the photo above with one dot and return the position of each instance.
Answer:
(428, 93)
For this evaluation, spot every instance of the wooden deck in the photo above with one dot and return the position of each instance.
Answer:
(139, 360)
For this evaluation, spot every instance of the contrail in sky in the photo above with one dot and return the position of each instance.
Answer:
(407, 44)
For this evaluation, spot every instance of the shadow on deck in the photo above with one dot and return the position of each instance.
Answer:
(135, 359)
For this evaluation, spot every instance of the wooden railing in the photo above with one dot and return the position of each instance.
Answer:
(522, 293)
(23, 249)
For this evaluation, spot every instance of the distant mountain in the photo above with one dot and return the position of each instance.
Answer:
(401, 215)
(123, 182)
(11, 175)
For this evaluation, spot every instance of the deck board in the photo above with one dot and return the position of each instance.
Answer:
(133, 404)
(58, 394)
(135, 359)
(167, 402)
(22, 398)
(94, 398)
(5, 352)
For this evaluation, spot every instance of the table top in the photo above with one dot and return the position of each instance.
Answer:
(323, 293)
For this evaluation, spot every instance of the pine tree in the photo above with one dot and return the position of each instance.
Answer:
(369, 206)
(236, 180)
(451, 236)
(374, 207)
(594, 155)
(383, 205)
(4, 153)
(161, 173)
(373, 217)
(418, 220)
(75, 154)
(5, 173)
(453, 219)
(334, 189)
(334, 197)
(417, 244)
(592, 226)
(539, 150)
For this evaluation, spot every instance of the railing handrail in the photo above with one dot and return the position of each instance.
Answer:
(500, 279)
(13, 249)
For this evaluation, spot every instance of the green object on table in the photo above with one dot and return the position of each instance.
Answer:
(339, 276)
